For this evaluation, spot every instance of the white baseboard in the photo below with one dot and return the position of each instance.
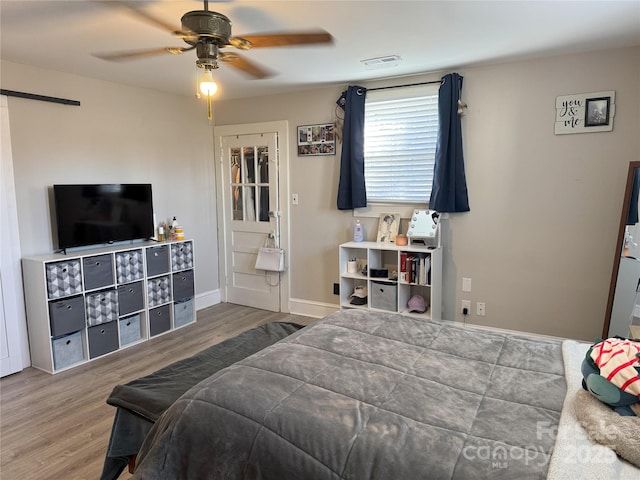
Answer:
(296, 306)
(299, 306)
(507, 331)
(307, 308)
(207, 299)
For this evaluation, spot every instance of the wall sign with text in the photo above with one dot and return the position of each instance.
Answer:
(585, 112)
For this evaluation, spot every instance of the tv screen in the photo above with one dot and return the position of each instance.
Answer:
(98, 214)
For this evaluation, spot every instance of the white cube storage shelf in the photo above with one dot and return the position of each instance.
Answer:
(86, 304)
(391, 292)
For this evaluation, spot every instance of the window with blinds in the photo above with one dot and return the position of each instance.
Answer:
(400, 134)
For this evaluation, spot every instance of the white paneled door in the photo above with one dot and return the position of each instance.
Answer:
(251, 217)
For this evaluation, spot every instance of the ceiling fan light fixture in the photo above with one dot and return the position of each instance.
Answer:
(207, 85)
(209, 34)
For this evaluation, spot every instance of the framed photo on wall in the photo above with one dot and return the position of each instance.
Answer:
(596, 112)
(316, 140)
(388, 226)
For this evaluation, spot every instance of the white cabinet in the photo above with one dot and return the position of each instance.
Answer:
(391, 275)
(90, 303)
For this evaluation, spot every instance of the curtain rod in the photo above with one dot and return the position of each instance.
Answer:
(406, 85)
(42, 98)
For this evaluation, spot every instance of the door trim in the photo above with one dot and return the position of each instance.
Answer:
(281, 127)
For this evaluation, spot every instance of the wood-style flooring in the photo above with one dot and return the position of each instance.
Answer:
(58, 426)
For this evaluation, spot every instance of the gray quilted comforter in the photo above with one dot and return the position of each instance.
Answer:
(363, 395)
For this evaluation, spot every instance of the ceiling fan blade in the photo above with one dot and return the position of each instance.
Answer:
(285, 39)
(241, 63)
(136, 54)
(142, 15)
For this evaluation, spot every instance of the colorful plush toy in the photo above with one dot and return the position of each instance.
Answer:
(611, 373)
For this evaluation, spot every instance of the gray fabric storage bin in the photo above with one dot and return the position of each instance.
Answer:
(102, 307)
(157, 260)
(67, 350)
(183, 285)
(384, 296)
(129, 329)
(158, 291)
(181, 256)
(63, 278)
(66, 315)
(98, 271)
(102, 339)
(182, 313)
(130, 298)
(159, 320)
(129, 266)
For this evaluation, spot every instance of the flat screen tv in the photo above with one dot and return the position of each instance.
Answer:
(99, 214)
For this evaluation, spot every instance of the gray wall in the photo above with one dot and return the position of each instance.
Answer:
(540, 238)
(119, 134)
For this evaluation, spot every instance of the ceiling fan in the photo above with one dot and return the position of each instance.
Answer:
(208, 33)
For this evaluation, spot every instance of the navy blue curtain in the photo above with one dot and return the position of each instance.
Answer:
(449, 191)
(351, 189)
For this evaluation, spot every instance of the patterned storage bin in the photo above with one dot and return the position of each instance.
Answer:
(102, 307)
(129, 266)
(67, 350)
(181, 256)
(63, 278)
(158, 291)
(130, 329)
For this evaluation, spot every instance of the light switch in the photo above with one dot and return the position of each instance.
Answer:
(466, 284)
(294, 199)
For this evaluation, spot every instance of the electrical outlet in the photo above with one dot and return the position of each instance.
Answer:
(336, 289)
(465, 304)
(480, 309)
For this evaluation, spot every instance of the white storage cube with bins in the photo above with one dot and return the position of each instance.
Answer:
(389, 275)
(83, 305)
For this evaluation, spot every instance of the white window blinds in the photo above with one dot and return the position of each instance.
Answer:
(401, 128)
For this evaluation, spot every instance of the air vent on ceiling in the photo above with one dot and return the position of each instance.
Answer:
(381, 62)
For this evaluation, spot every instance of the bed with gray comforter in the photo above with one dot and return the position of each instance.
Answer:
(362, 395)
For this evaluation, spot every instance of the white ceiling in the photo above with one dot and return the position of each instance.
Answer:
(428, 35)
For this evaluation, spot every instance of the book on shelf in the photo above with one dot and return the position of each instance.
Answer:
(415, 268)
(403, 267)
(418, 269)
